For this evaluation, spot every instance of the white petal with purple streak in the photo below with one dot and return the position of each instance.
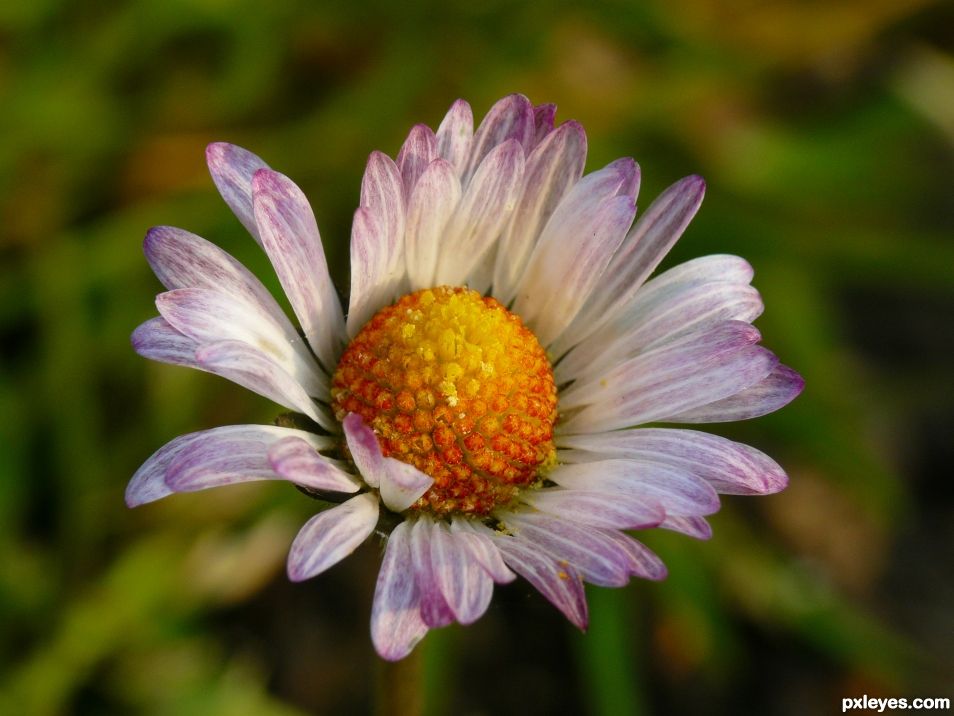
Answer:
(396, 624)
(330, 536)
(232, 169)
(297, 460)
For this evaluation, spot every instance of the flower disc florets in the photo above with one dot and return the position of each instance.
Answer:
(455, 385)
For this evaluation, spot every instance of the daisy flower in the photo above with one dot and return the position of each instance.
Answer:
(480, 403)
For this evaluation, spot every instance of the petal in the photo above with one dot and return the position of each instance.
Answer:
(432, 203)
(228, 455)
(483, 550)
(543, 116)
(554, 166)
(402, 484)
(598, 560)
(291, 239)
(183, 260)
(730, 467)
(597, 509)
(157, 340)
(417, 152)
(465, 586)
(330, 536)
(510, 119)
(678, 492)
(396, 624)
(645, 246)
(664, 382)
(574, 249)
(254, 369)
(642, 561)
(149, 482)
(559, 583)
(456, 135)
(686, 309)
(232, 169)
(364, 448)
(692, 525)
(297, 460)
(207, 316)
(434, 608)
(776, 390)
(481, 214)
(377, 241)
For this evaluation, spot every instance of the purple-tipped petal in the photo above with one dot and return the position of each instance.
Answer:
(543, 116)
(644, 247)
(149, 482)
(694, 526)
(455, 135)
(598, 560)
(223, 456)
(365, 449)
(682, 375)
(377, 241)
(481, 214)
(730, 467)
(330, 536)
(642, 561)
(554, 166)
(290, 236)
(432, 203)
(298, 461)
(597, 509)
(483, 550)
(575, 247)
(677, 491)
(510, 119)
(687, 309)
(434, 608)
(181, 259)
(559, 583)
(465, 586)
(776, 390)
(417, 152)
(253, 369)
(232, 169)
(396, 624)
(157, 340)
(402, 484)
(208, 316)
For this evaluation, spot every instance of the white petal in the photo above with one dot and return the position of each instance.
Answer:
(596, 509)
(456, 135)
(364, 448)
(157, 340)
(434, 608)
(377, 241)
(553, 167)
(730, 467)
(776, 390)
(417, 152)
(291, 239)
(330, 536)
(692, 525)
(254, 369)
(574, 249)
(232, 169)
(396, 624)
(466, 587)
(207, 316)
(402, 484)
(432, 203)
(481, 214)
(642, 562)
(657, 385)
(510, 119)
(645, 246)
(484, 550)
(227, 455)
(297, 460)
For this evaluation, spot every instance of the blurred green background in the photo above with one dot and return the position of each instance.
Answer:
(825, 132)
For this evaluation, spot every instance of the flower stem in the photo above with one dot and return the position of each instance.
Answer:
(400, 685)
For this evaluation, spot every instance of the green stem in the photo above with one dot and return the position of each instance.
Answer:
(400, 685)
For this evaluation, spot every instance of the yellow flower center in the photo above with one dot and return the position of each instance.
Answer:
(455, 385)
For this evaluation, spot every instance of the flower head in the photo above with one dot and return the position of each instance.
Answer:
(501, 348)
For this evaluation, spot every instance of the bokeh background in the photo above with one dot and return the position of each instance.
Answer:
(826, 133)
